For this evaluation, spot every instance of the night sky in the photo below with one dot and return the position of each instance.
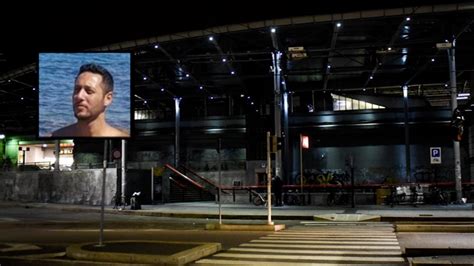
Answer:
(31, 28)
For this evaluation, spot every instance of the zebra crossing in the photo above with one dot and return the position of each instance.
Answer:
(318, 243)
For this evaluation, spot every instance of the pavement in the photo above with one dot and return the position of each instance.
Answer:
(210, 210)
(427, 240)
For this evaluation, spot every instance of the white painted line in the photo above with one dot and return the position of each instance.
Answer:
(260, 263)
(324, 242)
(306, 246)
(319, 252)
(314, 258)
(8, 219)
(336, 234)
(338, 237)
(19, 247)
(391, 239)
(331, 228)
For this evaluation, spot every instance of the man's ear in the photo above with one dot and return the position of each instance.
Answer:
(108, 98)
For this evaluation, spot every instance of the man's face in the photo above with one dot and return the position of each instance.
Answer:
(89, 98)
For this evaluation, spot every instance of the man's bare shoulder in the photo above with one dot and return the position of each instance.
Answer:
(66, 131)
(116, 132)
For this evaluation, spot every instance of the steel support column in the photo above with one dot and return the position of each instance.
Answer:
(177, 112)
(277, 107)
(454, 105)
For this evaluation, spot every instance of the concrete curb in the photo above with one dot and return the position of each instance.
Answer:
(180, 258)
(425, 261)
(436, 261)
(447, 228)
(245, 227)
(347, 217)
(20, 261)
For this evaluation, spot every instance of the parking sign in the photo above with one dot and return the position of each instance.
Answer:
(435, 154)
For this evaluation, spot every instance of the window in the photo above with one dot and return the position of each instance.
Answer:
(342, 103)
(145, 114)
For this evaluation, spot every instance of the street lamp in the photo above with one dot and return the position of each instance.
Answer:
(4, 148)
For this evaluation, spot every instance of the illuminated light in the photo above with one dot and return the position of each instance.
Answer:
(162, 89)
(212, 98)
(252, 103)
(329, 66)
(145, 102)
(156, 46)
(408, 19)
(22, 98)
(405, 91)
(45, 145)
(462, 98)
(9, 80)
(211, 38)
(446, 40)
(338, 24)
(187, 75)
(371, 77)
(364, 89)
(256, 110)
(304, 142)
(467, 94)
(2, 136)
(389, 48)
(273, 30)
(34, 88)
(283, 82)
(224, 60)
(248, 97)
(405, 55)
(446, 85)
(407, 27)
(232, 72)
(145, 78)
(242, 96)
(432, 59)
(201, 87)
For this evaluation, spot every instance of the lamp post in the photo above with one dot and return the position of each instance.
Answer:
(407, 135)
(4, 148)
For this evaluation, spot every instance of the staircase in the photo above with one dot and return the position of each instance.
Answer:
(185, 189)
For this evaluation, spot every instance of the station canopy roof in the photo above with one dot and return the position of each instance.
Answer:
(371, 51)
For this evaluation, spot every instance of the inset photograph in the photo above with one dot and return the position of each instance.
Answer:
(84, 95)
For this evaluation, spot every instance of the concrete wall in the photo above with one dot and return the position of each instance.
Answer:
(376, 163)
(228, 177)
(74, 187)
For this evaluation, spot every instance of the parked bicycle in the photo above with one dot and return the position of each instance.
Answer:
(292, 198)
(436, 196)
(395, 197)
(258, 199)
(415, 191)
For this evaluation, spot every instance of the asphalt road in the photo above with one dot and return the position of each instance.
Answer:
(61, 228)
